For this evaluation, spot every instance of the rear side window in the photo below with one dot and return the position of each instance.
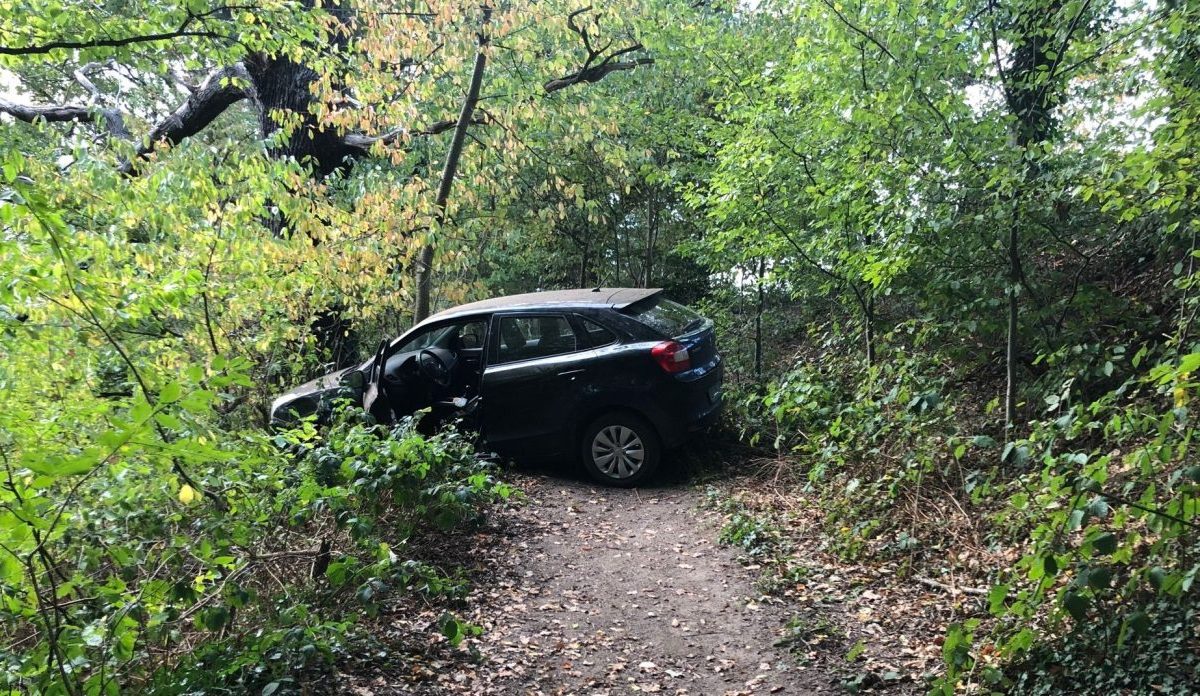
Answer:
(525, 338)
(597, 335)
(670, 318)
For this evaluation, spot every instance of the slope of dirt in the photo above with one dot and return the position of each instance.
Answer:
(588, 590)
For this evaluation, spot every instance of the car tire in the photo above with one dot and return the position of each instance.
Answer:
(620, 449)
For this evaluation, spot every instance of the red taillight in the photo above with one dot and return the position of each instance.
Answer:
(671, 356)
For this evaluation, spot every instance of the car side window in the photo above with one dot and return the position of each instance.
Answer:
(597, 335)
(525, 338)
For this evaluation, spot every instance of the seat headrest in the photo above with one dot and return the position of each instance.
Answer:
(511, 333)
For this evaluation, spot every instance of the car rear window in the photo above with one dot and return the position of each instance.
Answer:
(670, 318)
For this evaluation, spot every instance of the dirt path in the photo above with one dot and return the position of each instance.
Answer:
(603, 591)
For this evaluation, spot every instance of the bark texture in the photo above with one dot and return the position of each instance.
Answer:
(283, 86)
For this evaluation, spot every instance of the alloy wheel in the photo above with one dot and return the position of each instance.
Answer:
(618, 451)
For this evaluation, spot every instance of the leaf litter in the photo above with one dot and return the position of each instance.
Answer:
(587, 590)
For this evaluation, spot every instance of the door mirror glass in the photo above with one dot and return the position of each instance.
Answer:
(355, 379)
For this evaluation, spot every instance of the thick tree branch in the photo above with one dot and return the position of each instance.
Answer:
(218, 92)
(101, 43)
(66, 112)
(594, 73)
(81, 76)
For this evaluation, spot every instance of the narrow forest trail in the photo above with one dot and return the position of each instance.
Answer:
(600, 591)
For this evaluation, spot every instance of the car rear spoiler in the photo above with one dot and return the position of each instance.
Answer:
(629, 296)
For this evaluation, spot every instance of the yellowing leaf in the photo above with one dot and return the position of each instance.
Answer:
(187, 494)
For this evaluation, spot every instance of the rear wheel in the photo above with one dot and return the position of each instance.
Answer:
(620, 449)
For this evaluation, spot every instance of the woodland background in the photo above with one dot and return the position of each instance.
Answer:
(950, 246)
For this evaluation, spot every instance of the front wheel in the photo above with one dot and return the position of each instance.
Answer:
(620, 449)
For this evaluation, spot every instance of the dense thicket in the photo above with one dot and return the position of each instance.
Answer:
(951, 247)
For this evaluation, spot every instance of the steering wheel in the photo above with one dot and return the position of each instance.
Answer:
(434, 368)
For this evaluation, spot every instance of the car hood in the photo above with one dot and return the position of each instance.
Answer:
(313, 396)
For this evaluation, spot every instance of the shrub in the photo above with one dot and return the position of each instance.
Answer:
(119, 578)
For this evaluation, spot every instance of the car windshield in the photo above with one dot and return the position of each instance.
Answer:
(454, 336)
(671, 318)
(425, 339)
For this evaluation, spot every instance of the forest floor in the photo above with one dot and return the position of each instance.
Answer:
(580, 589)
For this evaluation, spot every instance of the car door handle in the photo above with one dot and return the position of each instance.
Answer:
(571, 373)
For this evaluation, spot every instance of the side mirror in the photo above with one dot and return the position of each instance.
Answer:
(356, 379)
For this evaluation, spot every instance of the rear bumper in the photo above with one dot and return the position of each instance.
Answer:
(698, 402)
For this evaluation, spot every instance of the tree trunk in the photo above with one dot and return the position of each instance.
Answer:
(1032, 91)
(758, 337)
(425, 260)
(281, 85)
(584, 253)
(651, 233)
(869, 328)
(1011, 344)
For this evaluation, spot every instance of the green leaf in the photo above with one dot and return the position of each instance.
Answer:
(452, 628)
(1076, 605)
(996, 597)
(856, 651)
(1098, 508)
(1105, 543)
(1099, 577)
(1139, 621)
(170, 393)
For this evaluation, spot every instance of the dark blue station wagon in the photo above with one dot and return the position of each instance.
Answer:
(613, 376)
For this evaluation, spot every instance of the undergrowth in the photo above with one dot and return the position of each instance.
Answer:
(173, 596)
(1083, 529)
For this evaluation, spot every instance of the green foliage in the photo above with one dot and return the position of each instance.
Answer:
(885, 206)
(144, 515)
(876, 170)
(1152, 647)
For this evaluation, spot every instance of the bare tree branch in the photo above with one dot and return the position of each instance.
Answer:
(450, 170)
(595, 73)
(57, 113)
(80, 75)
(182, 80)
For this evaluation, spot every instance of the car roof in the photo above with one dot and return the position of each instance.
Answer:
(616, 298)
